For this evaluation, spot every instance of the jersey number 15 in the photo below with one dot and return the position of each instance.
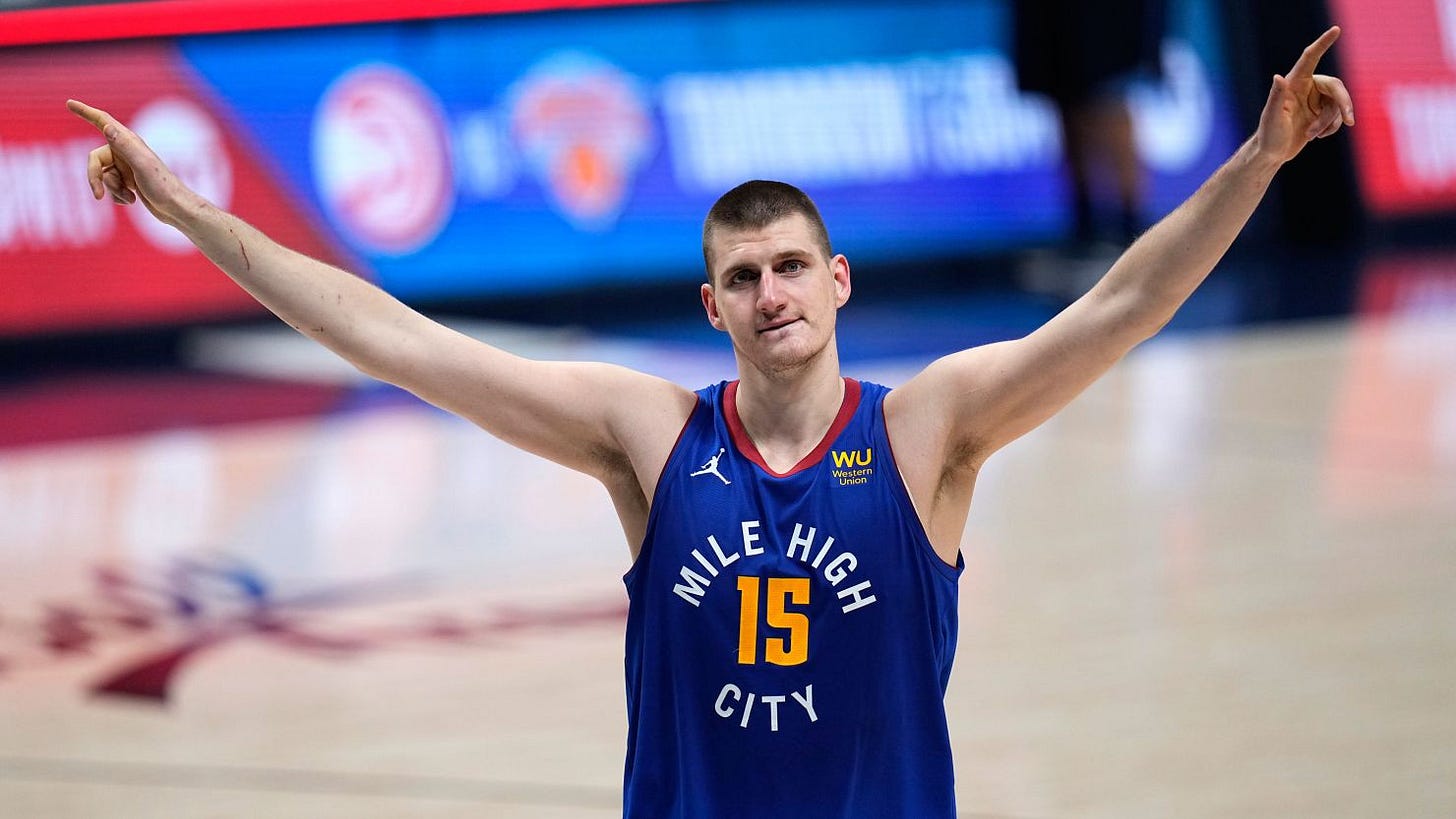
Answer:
(791, 650)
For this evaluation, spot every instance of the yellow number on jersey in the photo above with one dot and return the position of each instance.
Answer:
(791, 650)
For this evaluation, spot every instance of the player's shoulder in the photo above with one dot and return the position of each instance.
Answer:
(952, 374)
(644, 414)
(921, 412)
(648, 398)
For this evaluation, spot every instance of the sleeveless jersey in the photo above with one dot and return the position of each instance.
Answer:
(789, 637)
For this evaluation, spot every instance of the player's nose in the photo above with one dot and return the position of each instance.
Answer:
(770, 293)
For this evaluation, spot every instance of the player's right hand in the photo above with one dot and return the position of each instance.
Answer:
(128, 169)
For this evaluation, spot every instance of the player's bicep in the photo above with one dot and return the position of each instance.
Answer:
(994, 394)
(572, 413)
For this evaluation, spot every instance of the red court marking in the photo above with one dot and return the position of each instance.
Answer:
(91, 406)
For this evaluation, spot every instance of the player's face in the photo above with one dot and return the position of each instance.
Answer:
(775, 294)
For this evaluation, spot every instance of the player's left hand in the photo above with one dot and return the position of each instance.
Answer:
(1304, 105)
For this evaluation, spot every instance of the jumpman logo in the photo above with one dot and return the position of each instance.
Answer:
(711, 468)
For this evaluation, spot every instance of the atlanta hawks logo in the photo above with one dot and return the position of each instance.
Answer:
(381, 154)
(711, 468)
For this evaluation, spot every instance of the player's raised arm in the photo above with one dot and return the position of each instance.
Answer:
(595, 418)
(982, 398)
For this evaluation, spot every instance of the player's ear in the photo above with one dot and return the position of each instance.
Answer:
(710, 306)
(839, 267)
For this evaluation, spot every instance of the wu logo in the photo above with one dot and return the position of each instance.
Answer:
(711, 468)
(844, 459)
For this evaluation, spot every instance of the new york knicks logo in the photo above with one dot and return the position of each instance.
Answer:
(583, 127)
(852, 466)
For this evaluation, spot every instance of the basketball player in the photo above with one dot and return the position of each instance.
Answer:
(794, 532)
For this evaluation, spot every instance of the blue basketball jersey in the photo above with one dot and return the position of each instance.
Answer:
(789, 636)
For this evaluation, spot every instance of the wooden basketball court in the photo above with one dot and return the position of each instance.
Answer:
(1220, 584)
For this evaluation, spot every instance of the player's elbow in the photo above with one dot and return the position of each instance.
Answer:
(1134, 314)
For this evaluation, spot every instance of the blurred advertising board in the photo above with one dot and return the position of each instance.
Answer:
(493, 155)
(1399, 59)
(70, 262)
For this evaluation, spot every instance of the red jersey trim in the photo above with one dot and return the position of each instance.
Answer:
(745, 444)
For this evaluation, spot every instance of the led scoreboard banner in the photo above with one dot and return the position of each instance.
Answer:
(1400, 66)
(66, 22)
(68, 263)
(492, 154)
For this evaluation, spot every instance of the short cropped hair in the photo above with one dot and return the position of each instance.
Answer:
(758, 204)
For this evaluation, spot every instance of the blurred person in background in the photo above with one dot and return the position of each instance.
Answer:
(792, 615)
(1086, 57)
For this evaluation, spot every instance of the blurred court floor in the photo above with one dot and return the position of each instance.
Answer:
(1219, 584)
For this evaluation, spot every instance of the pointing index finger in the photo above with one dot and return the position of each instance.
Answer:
(95, 116)
(1305, 65)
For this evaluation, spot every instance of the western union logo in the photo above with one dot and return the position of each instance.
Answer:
(852, 466)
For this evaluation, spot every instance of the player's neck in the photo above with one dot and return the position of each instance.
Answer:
(787, 415)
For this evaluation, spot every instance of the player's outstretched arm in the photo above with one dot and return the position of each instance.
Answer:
(981, 399)
(595, 418)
